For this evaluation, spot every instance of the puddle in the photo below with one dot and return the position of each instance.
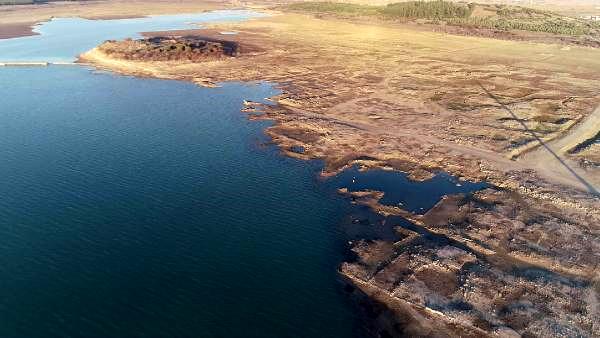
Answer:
(399, 190)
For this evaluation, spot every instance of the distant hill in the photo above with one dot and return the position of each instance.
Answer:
(487, 16)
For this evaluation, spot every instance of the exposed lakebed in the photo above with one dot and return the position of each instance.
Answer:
(141, 207)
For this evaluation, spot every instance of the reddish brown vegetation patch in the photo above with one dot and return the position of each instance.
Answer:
(169, 48)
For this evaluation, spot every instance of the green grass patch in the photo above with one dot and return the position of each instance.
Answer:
(554, 26)
(426, 10)
(333, 7)
(411, 9)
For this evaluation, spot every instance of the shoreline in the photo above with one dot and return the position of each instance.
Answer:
(415, 170)
(305, 117)
(11, 31)
(372, 295)
(365, 297)
(297, 123)
(97, 58)
(20, 20)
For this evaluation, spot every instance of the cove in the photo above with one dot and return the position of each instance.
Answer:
(141, 207)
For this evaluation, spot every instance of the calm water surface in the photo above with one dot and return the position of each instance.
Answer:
(399, 190)
(137, 207)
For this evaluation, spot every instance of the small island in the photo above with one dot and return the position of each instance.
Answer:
(168, 48)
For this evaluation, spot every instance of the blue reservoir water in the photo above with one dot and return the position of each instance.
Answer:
(138, 207)
(63, 39)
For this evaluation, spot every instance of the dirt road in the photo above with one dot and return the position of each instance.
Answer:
(552, 158)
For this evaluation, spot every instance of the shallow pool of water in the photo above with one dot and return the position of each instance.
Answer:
(399, 190)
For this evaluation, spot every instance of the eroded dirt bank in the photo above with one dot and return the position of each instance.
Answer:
(520, 258)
